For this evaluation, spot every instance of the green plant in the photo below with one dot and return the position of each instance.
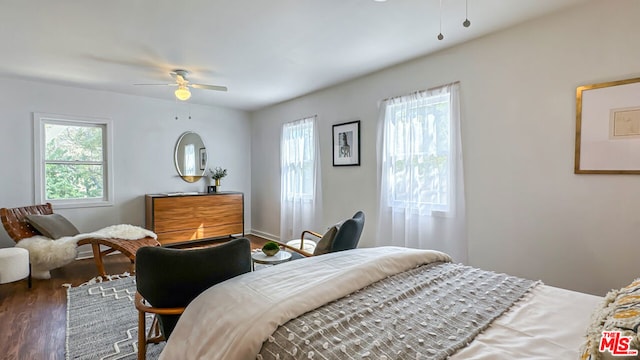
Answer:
(218, 173)
(271, 246)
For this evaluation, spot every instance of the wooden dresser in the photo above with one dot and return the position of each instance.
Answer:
(184, 218)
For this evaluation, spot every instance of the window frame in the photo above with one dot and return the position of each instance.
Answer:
(39, 122)
(436, 209)
(303, 195)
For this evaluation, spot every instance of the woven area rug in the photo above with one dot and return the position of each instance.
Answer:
(102, 322)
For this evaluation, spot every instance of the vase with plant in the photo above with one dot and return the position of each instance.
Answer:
(217, 174)
(270, 248)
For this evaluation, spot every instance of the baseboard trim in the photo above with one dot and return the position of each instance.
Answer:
(84, 252)
(265, 235)
(87, 253)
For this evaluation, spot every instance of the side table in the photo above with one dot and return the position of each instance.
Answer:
(258, 257)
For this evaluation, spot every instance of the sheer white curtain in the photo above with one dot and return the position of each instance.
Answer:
(300, 184)
(421, 185)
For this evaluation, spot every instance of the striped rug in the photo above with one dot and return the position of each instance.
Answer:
(102, 322)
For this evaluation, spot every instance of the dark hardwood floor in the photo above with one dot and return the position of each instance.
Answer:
(33, 321)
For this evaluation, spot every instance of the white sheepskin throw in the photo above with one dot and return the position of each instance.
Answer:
(122, 231)
(46, 254)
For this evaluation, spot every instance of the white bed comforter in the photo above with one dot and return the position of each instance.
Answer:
(231, 320)
(548, 323)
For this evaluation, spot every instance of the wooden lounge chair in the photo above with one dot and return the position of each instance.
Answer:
(14, 222)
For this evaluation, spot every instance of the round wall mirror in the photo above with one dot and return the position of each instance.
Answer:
(190, 157)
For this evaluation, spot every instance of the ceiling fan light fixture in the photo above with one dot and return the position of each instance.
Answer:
(183, 93)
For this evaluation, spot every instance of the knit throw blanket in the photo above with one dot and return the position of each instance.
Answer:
(427, 312)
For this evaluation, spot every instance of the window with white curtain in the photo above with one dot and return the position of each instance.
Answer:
(418, 151)
(300, 197)
(298, 157)
(421, 188)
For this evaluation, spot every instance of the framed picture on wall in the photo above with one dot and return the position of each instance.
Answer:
(203, 158)
(346, 144)
(608, 128)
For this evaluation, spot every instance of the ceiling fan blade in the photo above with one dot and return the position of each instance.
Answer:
(209, 87)
(174, 84)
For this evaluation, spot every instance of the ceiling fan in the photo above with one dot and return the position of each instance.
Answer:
(183, 84)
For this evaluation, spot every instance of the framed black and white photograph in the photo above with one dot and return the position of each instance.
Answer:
(346, 144)
(203, 158)
(608, 128)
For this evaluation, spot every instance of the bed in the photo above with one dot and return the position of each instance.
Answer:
(381, 303)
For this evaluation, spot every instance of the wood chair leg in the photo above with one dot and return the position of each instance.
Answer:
(155, 335)
(142, 341)
(97, 257)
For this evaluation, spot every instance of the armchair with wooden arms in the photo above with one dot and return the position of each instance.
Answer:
(343, 236)
(167, 280)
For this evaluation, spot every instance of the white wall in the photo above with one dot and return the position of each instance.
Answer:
(144, 135)
(528, 214)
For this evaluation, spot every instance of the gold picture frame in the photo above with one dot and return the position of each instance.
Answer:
(608, 128)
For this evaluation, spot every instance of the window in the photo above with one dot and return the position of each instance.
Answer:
(418, 156)
(72, 160)
(421, 200)
(300, 190)
(298, 159)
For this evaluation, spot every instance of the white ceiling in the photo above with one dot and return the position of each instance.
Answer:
(264, 51)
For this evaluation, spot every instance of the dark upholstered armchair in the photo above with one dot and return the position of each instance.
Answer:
(343, 236)
(168, 280)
